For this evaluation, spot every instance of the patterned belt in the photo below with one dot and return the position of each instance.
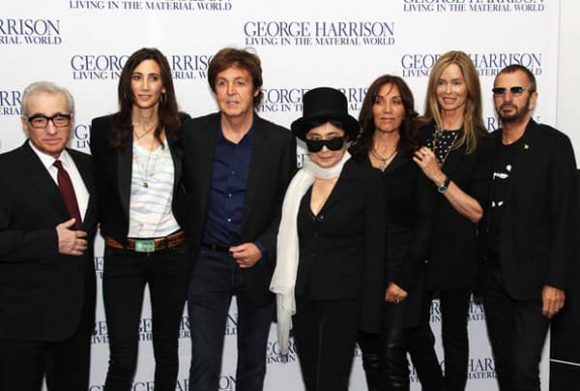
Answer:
(148, 245)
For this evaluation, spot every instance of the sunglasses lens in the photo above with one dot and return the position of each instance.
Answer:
(517, 90)
(498, 90)
(314, 145)
(334, 144)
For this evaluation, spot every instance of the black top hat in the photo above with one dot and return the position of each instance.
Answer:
(323, 104)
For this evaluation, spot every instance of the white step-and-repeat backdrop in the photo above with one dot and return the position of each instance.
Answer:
(83, 44)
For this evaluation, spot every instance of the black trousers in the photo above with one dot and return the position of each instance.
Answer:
(454, 306)
(384, 355)
(517, 331)
(325, 332)
(66, 364)
(124, 278)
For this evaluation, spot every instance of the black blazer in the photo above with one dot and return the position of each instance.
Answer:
(42, 292)
(342, 248)
(112, 171)
(538, 226)
(273, 163)
(453, 254)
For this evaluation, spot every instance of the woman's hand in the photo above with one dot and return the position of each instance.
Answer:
(427, 161)
(395, 294)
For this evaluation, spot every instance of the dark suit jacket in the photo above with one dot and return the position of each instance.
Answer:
(113, 169)
(453, 255)
(342, 249)
(42, 292)
(538, 226)
(273, 163)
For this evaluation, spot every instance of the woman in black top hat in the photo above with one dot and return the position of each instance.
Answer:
(329, 272)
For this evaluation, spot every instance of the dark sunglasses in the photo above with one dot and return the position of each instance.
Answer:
(500, 91)
(333, 144)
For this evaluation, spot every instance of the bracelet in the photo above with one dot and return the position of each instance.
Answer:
(442, 187)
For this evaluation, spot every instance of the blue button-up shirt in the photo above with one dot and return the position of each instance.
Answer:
(231, 165)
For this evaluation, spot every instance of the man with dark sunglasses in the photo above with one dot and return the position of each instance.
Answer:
(528, 233)
(47, 225)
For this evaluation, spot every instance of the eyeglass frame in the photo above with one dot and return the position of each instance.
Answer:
(68, 117)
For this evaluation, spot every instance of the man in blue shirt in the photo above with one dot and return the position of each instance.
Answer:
(236, 170)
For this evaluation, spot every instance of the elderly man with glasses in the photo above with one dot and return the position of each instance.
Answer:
(47, 223)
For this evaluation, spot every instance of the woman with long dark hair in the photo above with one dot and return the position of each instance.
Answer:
(137, 163)
(455, 157)
(387, 142)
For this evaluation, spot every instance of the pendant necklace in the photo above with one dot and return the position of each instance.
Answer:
(147, 171)
(383, 161)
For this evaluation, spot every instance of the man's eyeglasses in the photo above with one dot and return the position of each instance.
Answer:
(39, 121)
(516, 90)
(333, 144)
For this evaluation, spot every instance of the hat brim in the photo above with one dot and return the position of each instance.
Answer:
(302, 125)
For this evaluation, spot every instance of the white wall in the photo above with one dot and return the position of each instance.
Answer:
(568, 103)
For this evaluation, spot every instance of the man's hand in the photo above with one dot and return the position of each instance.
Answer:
(70, 242)
(246, 254)
(395, 294)
(553, 300)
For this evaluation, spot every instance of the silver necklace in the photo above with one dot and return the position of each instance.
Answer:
(147, 171)
(383, 161)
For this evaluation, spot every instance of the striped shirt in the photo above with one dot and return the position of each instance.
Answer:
(150, 213)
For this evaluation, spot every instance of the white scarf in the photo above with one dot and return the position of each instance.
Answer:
(284, 278)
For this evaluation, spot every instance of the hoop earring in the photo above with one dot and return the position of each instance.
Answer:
(163, 98)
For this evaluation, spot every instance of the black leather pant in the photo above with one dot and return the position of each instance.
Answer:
(385, 359)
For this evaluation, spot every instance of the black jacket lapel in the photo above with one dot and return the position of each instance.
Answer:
(85, 171)
(41, 179)
(258, 162)
(523, 152)
(342, 187)
(124, 172)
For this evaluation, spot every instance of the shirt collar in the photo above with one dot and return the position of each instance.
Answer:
(47, 160)
(247, 137)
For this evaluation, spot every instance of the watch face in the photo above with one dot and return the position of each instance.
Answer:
(441, 188)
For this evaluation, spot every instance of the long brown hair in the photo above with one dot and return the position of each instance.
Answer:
(472, 116)
(169, 119)
(408, 133)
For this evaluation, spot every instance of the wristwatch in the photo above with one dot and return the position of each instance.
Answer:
(442, 187)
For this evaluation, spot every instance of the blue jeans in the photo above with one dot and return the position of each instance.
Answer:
(215, 279)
